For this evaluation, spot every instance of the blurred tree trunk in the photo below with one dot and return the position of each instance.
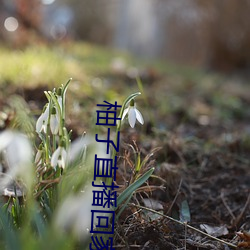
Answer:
(212, 33)
(229, 34)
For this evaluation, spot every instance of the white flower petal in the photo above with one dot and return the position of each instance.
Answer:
(124, 113)
(139, 116)
(55, 156)
(18, 155)
(39, 123)
(46, 113)
(64, 153)
(19, 151)
(59, 99)
(74, 214)
(59, 158)
(61, 163)
(63, 158)
(133, 114)
(132, 117)
(5, 139)
(54, 124)
(42, 121)
(77, 148)
(44, 127)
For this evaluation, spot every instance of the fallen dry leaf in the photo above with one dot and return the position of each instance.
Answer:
(245, 236)
(214, 230)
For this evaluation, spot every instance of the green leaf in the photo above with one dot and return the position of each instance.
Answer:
(130, 189)
(39, 222)
(123, 207)
(11, 237)
(65, 87)
(138, 163)
(185, 212)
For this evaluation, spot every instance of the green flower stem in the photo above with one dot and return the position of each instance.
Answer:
(66, 137)
(53, 142)
(65, 87)
(47, 137)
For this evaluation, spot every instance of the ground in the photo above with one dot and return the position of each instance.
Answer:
(196, 125)
(203, 160)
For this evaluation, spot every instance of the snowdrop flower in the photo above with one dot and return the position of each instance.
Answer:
(82, 150)
(133, 114)
(78, 148)
(54, 121)
(42, 122)
(74, 215)
(17, 152)
(59, 157)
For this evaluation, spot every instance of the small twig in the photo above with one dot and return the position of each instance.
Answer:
(122, 246)
(185, 242)
(48, 185)
(184, 224)
(57, 180)
(175, 198)
(239, 217)
(227, 207)
(149, 188)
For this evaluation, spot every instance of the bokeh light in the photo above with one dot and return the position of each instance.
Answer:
(11, 24)
(58, 31)
(48, 2)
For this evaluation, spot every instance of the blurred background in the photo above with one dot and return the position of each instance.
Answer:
(212, 34)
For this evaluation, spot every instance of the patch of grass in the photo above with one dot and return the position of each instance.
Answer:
(42, 64)
(94, 59)
(32, 66)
